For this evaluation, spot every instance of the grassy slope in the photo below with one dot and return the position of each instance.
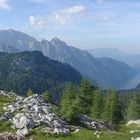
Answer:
(122, 134)
(5, 126)
(4, 101)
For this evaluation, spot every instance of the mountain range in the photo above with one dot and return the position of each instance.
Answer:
(105, 72)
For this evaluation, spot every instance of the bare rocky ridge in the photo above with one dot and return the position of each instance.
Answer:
(32, 112)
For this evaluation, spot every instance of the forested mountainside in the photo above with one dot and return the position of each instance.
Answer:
(32, 70)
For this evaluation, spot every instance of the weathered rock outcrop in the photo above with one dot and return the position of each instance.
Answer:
(34, 111)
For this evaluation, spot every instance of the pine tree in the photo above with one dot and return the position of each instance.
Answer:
(115, 108)
(106, 111)
(96, 109)
(112, 109)
(85, 97)
(133, 111)
(68, 103)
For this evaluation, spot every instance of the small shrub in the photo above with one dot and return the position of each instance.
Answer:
(30, 93)
(46, 96)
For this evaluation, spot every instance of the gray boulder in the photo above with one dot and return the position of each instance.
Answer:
(22, 120)
(93, 124)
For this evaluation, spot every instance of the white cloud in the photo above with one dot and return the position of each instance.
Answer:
(38, 22)
(100, 1)
(4, 5)
(73, 10)
(65, 15)
(56, 19)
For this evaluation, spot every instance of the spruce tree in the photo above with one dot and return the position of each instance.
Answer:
(96, 109)
(68, 103)
(85, 97)
(106, 112)
(112, 109)
(115, 108)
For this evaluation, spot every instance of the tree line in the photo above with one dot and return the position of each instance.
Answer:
(96, 103)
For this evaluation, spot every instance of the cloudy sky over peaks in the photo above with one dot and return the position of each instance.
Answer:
(81, 23)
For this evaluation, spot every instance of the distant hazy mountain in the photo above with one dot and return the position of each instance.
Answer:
(106, 72)
(132, 83)
(108, 52)
(126, 95)
(132, 60)
(116, 54)
(7, 48)
(32, 70)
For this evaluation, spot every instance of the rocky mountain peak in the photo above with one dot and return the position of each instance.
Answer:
(11, 30)
(56, 41)
(44, 42)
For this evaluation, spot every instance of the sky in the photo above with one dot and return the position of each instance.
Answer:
(85, 24)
